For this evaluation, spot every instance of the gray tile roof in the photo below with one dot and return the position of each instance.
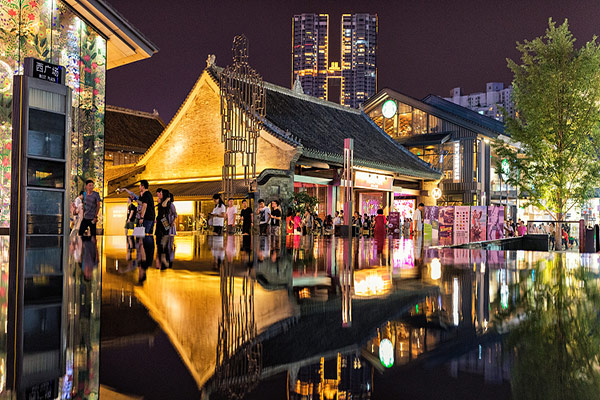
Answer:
(320, 128)
(130, 130)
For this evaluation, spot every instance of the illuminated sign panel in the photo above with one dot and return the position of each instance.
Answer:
(456, 159)
(389, 108)
(373, 181)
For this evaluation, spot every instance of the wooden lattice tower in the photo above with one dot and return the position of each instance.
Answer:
(242, 115)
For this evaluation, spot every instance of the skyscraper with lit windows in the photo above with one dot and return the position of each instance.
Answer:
(310, 53)
(355, 74)
(358, 58)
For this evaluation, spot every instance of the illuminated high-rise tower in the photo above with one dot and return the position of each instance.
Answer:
(358, 58)
(355, 74)
(310, 53)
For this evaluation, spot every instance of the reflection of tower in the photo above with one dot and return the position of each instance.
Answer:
(239, 356)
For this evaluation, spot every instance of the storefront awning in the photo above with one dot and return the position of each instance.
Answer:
(187, 190)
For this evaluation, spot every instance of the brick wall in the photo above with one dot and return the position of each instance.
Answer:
(194, 149)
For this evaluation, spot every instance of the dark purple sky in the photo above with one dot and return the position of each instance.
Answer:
(424, 46)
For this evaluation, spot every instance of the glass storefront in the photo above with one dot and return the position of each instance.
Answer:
(51, 31)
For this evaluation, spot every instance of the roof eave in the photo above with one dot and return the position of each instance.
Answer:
(125, 43)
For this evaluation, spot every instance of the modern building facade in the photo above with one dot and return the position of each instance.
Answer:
(85, 37)
(310, 52)
(354, 77)
(298, 149)
(452, 138)
(358, 58)
(493, 103)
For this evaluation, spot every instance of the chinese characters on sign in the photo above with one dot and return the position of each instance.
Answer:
(46, 71)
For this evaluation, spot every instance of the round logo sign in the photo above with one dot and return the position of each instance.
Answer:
(436, 193)
(389, 108)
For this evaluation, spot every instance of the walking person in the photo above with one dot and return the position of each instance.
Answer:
(91, 205)
(131, 215)
(173, 216)
(418, 219)
(275, 220)
(147, 213)
(356, 223)
(298, 223)
(307, 223)
(247, 217)
(218, 214)
(264, 215)
(163, 228)
(77, 212)
(289, 222)
(231, 214)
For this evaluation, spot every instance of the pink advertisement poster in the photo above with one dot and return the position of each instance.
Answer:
(461, 224)
(478, 223)
(495, 225)
(405, 207)
(446, 218)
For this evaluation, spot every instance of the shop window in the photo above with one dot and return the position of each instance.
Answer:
(419, 122)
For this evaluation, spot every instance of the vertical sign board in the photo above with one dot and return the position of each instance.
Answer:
(461, 224)
(39, 224)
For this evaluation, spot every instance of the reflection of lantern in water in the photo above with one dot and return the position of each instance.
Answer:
(386, 353)
(372, 282)
(436, 269)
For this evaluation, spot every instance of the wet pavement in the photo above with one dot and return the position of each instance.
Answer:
(259, 318)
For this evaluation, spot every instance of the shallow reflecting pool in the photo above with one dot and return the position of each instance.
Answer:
(292, 318)
(302, 317)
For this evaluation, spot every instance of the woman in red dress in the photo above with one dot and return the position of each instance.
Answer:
(380, 224)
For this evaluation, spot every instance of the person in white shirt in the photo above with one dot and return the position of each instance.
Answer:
(418, 219)
(218, 215)
(337, 220)
(231, 213)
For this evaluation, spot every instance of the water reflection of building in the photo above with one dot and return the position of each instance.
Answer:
(343, 377)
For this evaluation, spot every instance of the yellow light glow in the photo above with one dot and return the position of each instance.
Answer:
(184, 207)
(372, 282)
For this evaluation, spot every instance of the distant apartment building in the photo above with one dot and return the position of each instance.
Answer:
(354, 77)
(310, 53)
(489, 103)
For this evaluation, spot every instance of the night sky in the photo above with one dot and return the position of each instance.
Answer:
(424, 46)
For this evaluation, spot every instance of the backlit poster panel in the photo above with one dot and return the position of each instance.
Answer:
(478, 223)
(431, 218)
(495, 222)
(461, 224)
(446, 219)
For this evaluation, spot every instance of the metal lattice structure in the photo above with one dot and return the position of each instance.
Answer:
(239, 354)
(242, 115)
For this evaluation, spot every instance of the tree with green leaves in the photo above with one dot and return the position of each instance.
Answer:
(556, 91)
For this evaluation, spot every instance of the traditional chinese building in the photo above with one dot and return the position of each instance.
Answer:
(300, 148)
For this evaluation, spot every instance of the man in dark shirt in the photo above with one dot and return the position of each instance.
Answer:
(91, 206)
(246, 214)
(275, 221)
(147, 214)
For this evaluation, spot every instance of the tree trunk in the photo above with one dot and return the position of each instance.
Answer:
(558, 233)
